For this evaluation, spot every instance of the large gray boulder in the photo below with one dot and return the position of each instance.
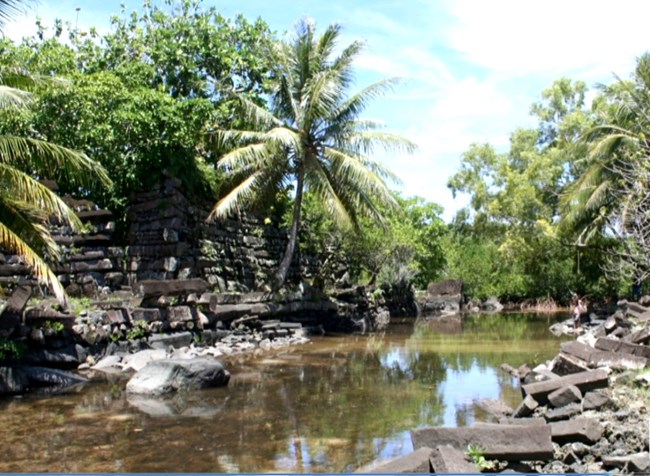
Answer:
(165, 376)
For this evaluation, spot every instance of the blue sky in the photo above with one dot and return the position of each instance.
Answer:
(470, 68)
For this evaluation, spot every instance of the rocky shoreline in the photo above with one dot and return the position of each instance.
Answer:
(585, 411)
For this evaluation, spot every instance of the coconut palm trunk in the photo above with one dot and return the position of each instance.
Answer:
(285, 264)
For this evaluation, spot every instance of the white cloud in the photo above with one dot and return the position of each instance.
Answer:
(554, 37)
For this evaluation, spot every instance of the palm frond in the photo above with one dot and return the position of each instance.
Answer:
(24, 188)
(14, 98)
(52, 161)
(14, 244)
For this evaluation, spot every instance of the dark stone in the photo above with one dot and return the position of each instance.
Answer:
(12, 381)
(165, 376)
(526, 407)
(13, 311)
(145, 314)
(416, 462)
(585, 381)
(563, 413)
(583, 430)
(637, 463)
(69, 356)
(565, 395)
(48, 377)
(164, 341)
(449, 460)
(511, 443)
(595, 400)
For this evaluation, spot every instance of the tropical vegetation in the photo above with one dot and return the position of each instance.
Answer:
(247, 119)
(27, 204)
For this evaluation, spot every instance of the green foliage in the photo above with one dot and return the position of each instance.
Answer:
(11, 349)
(476, 454)
(139, 330)
(142, 98)
(510, 244)
(409, 248)
(55, 326)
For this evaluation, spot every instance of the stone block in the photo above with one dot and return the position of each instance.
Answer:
(595, 400)
(448, 460)
(180, 314)
(612, 345)
(526, 407)
(563, 413)
(511, 443)
(145, 314)
(175, 340)
(565, 395)
(416, 462)
(585, 381)
(155, 288)
(638, 463)
(582, 430)
(565, 364)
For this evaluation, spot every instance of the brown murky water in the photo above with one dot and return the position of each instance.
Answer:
(333, 405)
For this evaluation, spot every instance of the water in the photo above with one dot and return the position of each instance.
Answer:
(333, 405)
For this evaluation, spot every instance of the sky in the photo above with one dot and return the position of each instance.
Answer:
(469, 69)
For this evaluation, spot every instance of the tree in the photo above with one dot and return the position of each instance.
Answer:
(311, 138)
(26, 204)
(512, 231)
(611, 198)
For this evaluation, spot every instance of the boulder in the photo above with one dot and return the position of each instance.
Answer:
(595, 400)
(492, 304)
(166, 376)
(12, 381)
(47, 377)
(140, 359)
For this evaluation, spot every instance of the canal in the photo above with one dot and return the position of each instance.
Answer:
(334, 405)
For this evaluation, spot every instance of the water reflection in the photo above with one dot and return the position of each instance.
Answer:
(331, 406)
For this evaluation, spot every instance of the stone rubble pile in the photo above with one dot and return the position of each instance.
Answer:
(576, 414)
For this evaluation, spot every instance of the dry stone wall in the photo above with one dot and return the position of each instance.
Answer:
(168, 239)
(171, 239)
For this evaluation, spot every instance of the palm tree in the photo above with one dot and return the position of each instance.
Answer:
(26, 205)
(10, 7)
(310, 138)
(599, 197)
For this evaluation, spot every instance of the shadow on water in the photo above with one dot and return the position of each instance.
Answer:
(333, 405)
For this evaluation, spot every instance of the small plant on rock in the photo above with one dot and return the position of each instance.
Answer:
(140, 329)
(11, 349)
(476, 453)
